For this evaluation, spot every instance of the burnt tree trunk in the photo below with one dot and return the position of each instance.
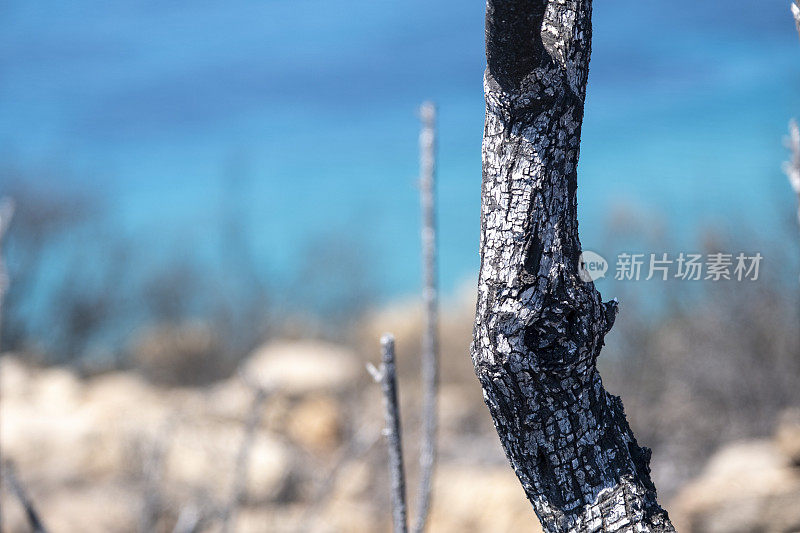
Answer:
(539, 328)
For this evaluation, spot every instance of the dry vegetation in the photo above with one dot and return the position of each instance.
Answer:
(148, 436)
(94, 451)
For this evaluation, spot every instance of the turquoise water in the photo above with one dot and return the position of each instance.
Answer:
(148, 104)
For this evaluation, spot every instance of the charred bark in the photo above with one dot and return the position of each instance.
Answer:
(387, 377)
(539, 328)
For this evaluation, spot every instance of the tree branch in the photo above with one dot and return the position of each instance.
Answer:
(10, 474)
(239, 487)
(6, 214)
(189, 519)
(539, 328)
(430, 334)
(792, 168)
(362, 441)
(153, 473)
(387, 377)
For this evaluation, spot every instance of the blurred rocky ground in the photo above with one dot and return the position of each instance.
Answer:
(158, 444)
(746, 486)
(115, 452)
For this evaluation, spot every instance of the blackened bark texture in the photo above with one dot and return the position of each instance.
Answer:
(539, 328)
(387, 376)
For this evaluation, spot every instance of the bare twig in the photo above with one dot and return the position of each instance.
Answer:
(430, 340)
(10, 474)
(153, 470)
(188, 520)
(6, 212)
(243, 459)
(387, 377)
(792, 168)
(361, 442)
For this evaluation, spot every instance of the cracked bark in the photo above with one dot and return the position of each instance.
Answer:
(387, 377)
(539, 328)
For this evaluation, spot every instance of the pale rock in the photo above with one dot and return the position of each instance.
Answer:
(203, 457)
(46, 427)
(787, 435)
(88, 508)
(354, 480)
(15, 377)
(347, 515)
(301, 367)
(478, 499)
(316, 424)
(178, 354)
(229, 400)
(268, 469)
(743, 488)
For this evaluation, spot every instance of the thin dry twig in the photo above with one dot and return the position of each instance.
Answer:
(792, 168)
(10, 474)
(153, 470)
(358, 445)
(188, 520)
(243, 458)
(6, 213)
(386, 375)
(430, 337)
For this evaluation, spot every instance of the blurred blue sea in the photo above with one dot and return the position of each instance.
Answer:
(149, 104)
